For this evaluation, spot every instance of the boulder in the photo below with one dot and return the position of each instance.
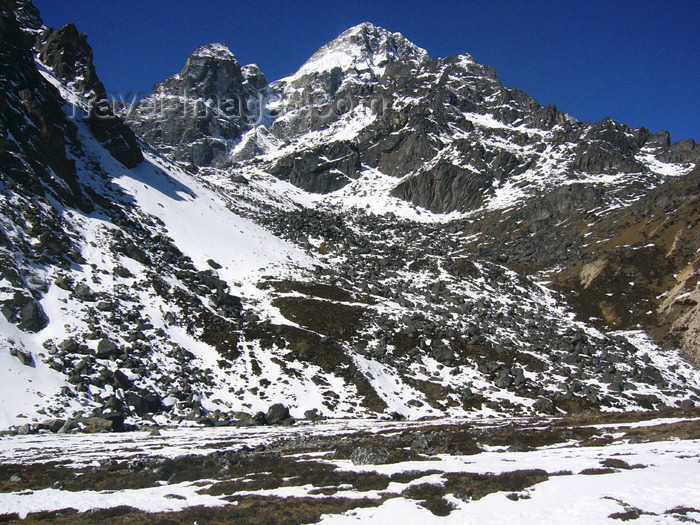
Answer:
(443, 354)
(94, 425)
(24, 357)
(106, 349)
(370, 455)
(67, 427)
(26, 429)
(64, 283)
(545, 406)
(84, 292)
(244, 419)
(52, 425)
(314, 415)
(277, 414)
(32, 317)
(69, 346)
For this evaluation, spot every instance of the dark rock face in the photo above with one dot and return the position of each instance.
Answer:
(69, 55)
(31, 110)
(321, 170)
(197, 115)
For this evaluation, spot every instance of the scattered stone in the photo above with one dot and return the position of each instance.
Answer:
(84, 292)
(545, 406)
(106, 349)
(370, 455)
(23, 356)
(314, 415)
(94, 425)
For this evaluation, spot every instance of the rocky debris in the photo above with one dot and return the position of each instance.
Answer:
(369, 455)
(451, 311)
(421, 445)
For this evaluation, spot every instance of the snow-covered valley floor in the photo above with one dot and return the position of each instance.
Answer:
(586, 469)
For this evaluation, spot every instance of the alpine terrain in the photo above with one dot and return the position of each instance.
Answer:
(384, 285)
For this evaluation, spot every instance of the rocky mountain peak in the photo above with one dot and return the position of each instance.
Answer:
(67, 52)
(364, 47)
(211, 70)
(254, 76)
(215, 50)
(198, 114)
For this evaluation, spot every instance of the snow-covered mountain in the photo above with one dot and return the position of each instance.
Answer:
(337, 241)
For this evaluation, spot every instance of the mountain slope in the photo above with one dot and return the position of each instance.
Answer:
(289, 252)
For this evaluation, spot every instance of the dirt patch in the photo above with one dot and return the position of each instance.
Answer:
(681, 430)
(249, 510)
(329, 318)
(467, 487)
(320, 291)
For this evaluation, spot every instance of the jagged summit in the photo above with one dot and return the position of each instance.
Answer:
(197, 115)
(215, 50)
(364, 47)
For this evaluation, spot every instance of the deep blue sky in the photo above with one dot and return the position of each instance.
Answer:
(636, 61)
